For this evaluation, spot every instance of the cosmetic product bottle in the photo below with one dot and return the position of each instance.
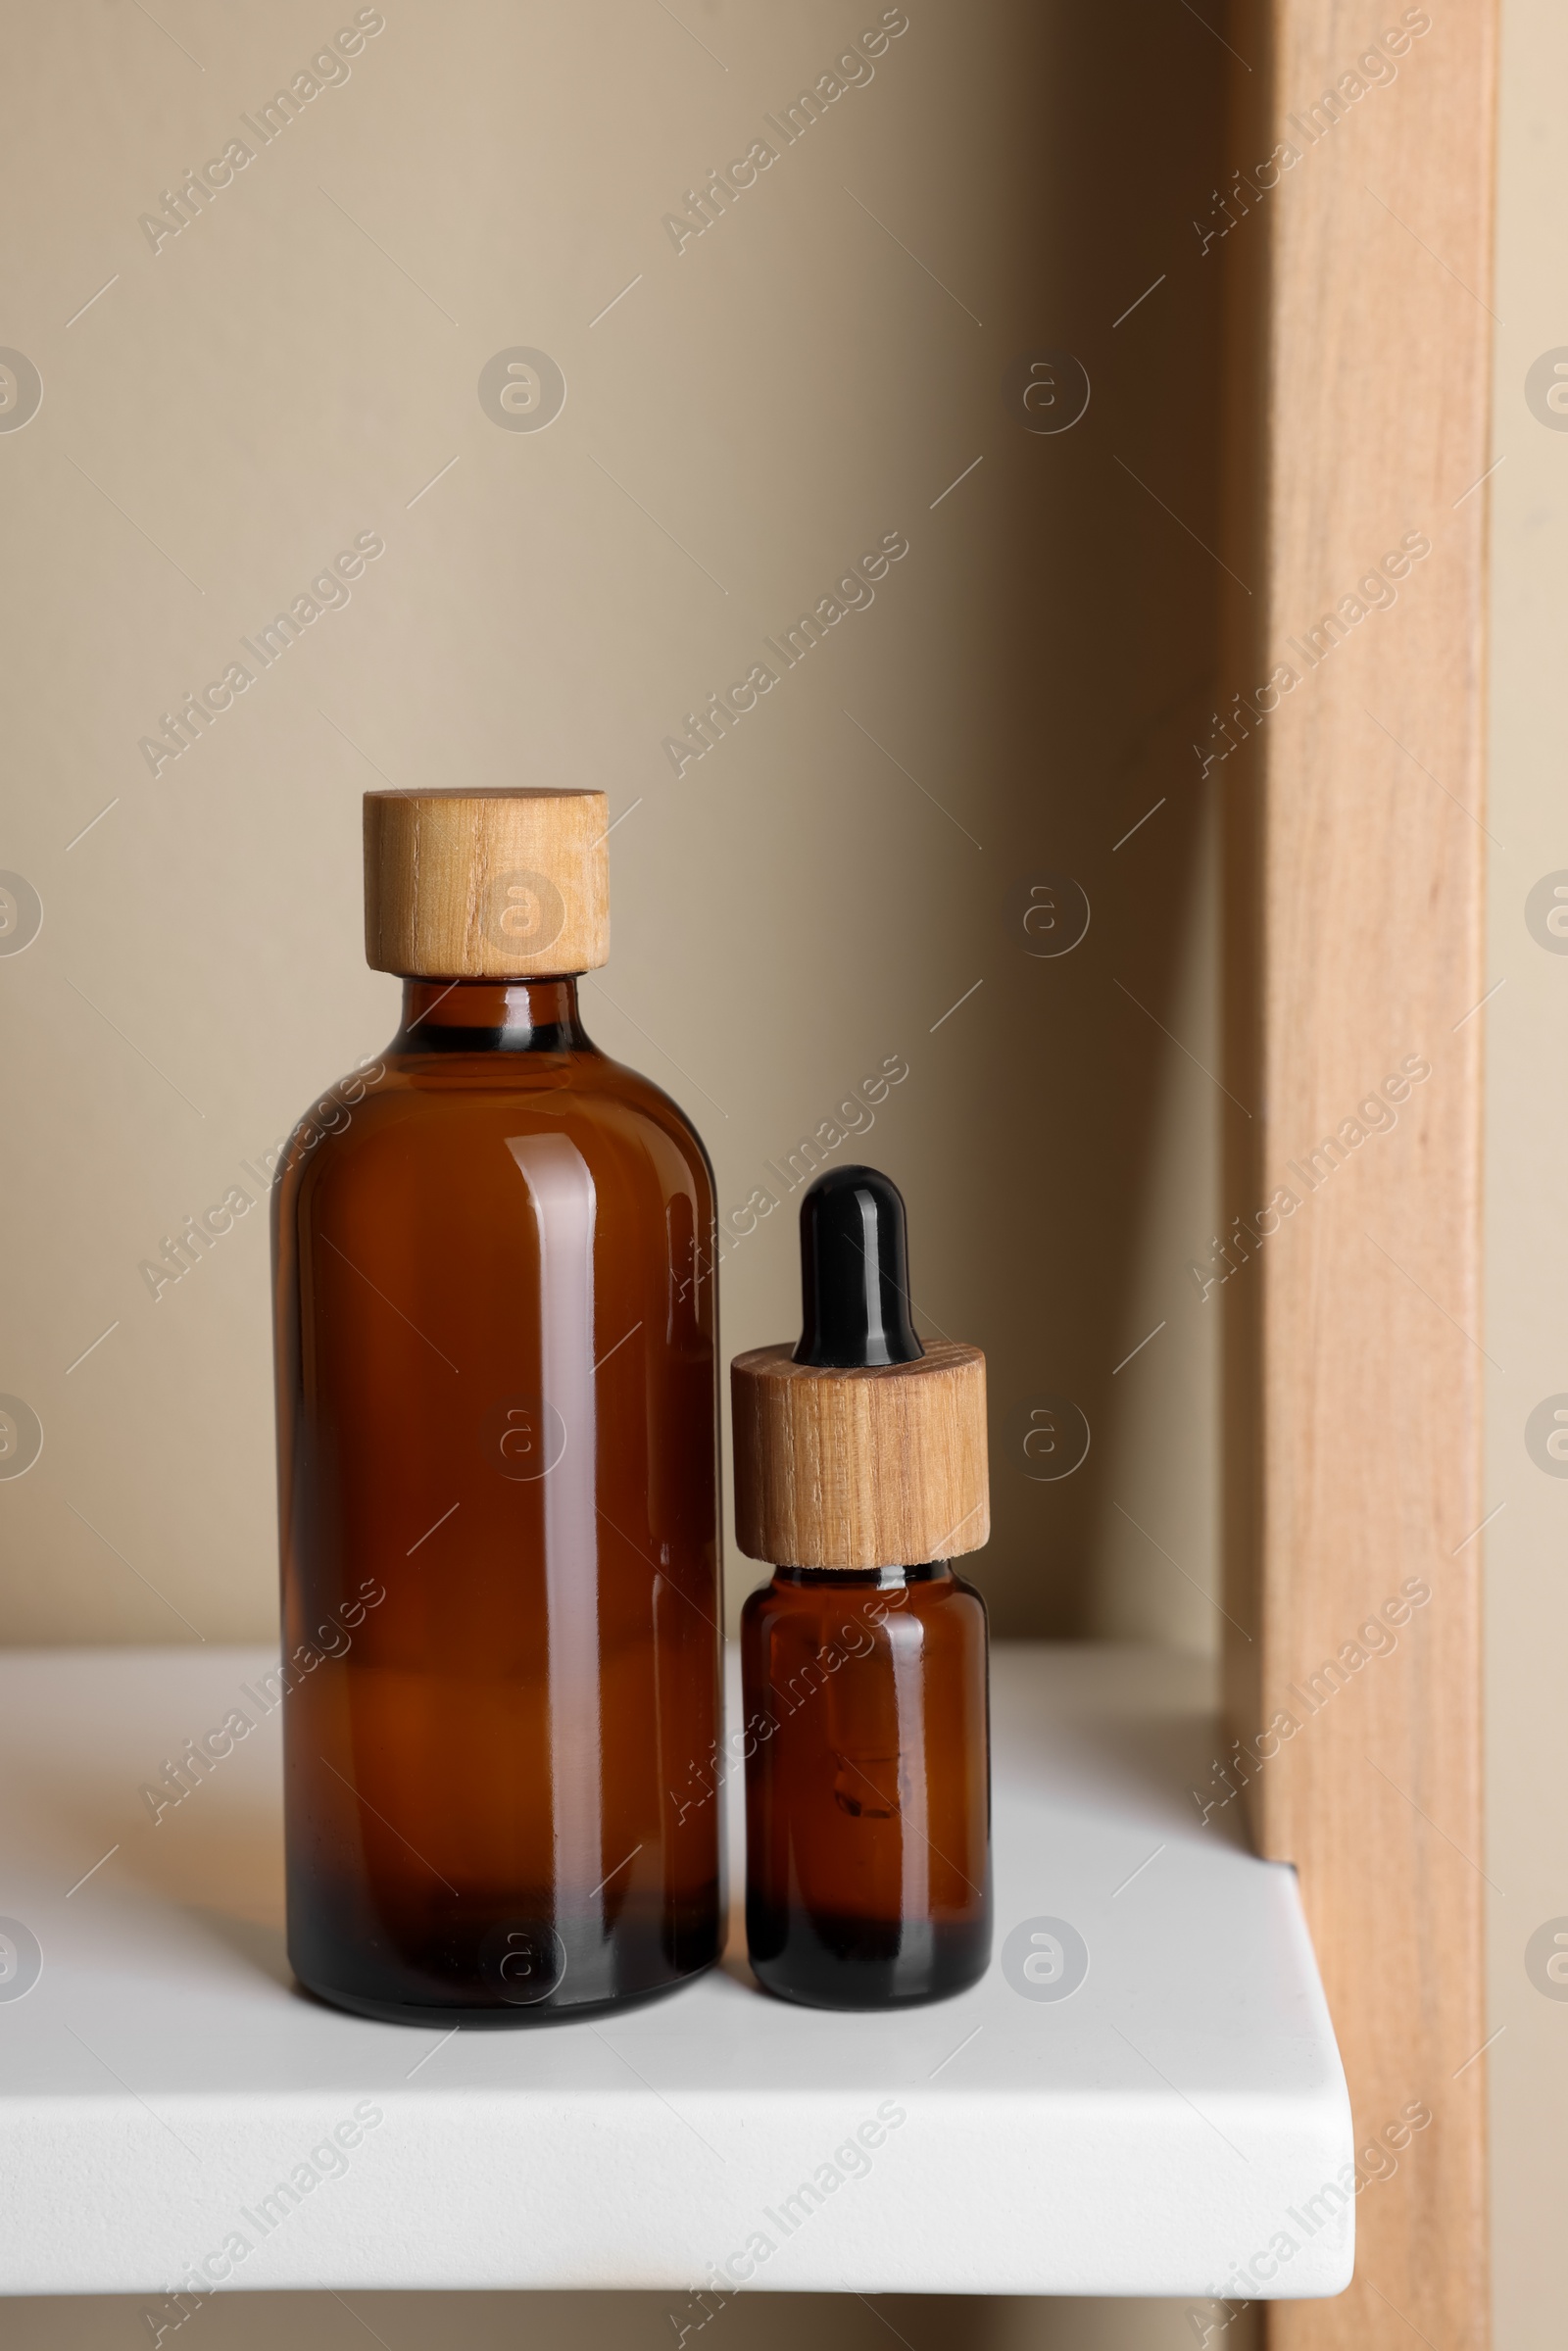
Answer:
(860, 1469)
(498, 1461)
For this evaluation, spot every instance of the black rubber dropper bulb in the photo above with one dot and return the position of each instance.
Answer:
(855, 1273)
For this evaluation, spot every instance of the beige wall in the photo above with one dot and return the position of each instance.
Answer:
(300, 365)
(759, 409)
(1527, 1151)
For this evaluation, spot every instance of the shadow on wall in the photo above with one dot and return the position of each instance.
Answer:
(1080, 626)
(983, 836)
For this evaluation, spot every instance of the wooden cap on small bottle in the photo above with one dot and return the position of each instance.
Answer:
(876, 1466)
(486, 885)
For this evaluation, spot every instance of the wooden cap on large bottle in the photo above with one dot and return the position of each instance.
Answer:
(857, 1446)
(876, 1467)
(486, 885)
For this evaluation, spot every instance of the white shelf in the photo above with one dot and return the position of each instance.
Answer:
(1178, 2113)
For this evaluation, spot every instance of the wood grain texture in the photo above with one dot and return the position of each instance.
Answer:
(486, 885)
(1358, 290)
(884, 1467)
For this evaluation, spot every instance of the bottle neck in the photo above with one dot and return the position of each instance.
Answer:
(476, 1016)
(871, 1579)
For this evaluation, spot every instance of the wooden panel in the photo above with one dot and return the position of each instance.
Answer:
(1358, 290)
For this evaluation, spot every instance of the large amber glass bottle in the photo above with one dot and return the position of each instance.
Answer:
(861, 1467)
(498, 1456)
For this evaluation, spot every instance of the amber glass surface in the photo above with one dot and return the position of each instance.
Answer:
(867, 1786)
(497, 1352)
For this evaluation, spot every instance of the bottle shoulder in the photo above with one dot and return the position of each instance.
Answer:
(438, 1110)
(804, 1606)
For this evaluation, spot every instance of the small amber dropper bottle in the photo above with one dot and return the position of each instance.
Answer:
(861, 1466)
